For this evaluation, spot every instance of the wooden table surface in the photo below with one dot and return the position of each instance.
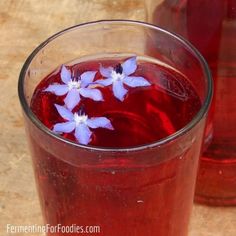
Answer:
(23, 25)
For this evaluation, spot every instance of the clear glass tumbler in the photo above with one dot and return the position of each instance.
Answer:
(144, 190)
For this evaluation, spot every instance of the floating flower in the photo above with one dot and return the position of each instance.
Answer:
(120, 75)
(75, 87)
(80, 124)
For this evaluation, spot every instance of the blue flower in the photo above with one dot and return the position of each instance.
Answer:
(120, 75)
(74, 88)
(80, 124)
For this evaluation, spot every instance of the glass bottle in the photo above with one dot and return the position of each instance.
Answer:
(211, 27)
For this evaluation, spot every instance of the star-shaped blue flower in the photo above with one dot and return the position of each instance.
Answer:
(120, 75)
(76, 87)
(80, 124)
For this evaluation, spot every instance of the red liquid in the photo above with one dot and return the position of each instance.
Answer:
(119, 193)
(211, 27)
(146, 115)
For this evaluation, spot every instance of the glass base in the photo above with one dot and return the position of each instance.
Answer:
(211, 201)
(216, 182)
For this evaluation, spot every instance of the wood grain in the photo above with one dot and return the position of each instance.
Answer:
(23, 25)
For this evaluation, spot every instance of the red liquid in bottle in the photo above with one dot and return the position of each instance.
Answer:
(122, 199)
(211, 27)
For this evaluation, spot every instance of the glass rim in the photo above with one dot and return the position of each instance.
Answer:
(195, 120)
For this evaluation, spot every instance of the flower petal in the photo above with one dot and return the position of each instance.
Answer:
(72, 99)
(135, 81)
(119, 90)
(106, 72)
(93, 94)
(99, 122)
(129, 66)
(66, 127)
(65, 74)
(83, 134)
(104, 82)
(58, 89)
(87, 78)
(64, 113)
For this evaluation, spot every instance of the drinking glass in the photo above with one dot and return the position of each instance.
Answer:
(142, 190)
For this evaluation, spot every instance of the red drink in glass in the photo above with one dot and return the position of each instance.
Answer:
(210, 27)
(139, 178)
(147, 114)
